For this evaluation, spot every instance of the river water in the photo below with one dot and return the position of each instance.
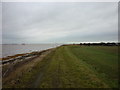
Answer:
(12, 49)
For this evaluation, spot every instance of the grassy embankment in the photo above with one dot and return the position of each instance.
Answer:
(73, 67)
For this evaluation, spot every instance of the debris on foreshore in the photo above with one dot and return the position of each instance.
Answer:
(21, 57)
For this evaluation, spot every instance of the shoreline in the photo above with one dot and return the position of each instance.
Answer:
(21, 57)
(9, 50)
(10, 66)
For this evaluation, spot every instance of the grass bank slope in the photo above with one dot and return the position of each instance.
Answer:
(74, 67)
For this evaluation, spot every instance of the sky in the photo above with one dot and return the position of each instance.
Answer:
(61, 22)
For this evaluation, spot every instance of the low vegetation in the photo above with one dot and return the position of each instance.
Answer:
(71, 66)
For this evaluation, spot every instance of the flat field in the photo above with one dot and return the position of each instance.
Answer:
(71, 66)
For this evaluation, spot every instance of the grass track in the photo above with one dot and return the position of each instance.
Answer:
(75, 66)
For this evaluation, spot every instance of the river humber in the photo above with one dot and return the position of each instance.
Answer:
(12, 49)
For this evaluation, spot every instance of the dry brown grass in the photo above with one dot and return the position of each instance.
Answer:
(14, 56)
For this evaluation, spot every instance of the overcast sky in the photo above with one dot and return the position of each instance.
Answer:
(59, 22)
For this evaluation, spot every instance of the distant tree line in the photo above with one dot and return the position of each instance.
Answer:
(101, 44)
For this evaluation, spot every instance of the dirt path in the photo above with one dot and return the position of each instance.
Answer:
(42, 72)
(39, 76)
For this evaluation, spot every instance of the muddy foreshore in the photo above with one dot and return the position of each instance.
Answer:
(11, 64)
(21, 57)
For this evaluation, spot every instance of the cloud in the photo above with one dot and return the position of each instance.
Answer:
(59, 22)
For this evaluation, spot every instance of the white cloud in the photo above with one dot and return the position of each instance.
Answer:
(59, 22)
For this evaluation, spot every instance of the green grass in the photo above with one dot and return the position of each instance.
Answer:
(102, 59)
(83, 67)
(75, 67)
